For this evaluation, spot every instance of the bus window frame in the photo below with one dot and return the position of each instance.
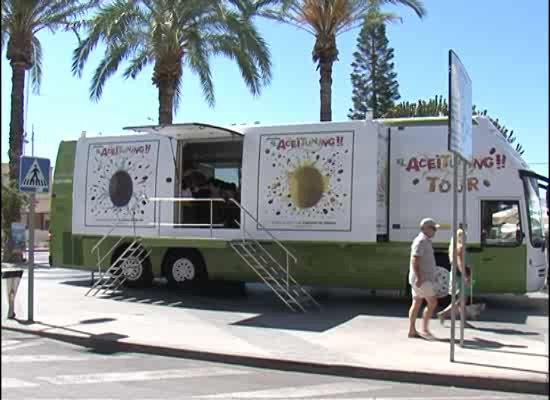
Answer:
(516, 243)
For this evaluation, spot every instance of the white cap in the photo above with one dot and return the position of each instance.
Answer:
(429, 222)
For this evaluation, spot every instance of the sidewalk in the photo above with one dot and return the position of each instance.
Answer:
(354, 335)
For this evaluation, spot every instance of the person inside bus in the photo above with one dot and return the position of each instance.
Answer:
(203, 208)
(186, 189)
(214, 188)
(232, 211)
(463, 264)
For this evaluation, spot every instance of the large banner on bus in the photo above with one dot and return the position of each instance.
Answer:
(305, 181)
(120, 178)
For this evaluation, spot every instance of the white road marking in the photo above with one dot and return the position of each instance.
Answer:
(140, 375)
(13, 383)
(6, 342)
(235, 396)
(465, 397)
(52, 358)
(21, 346)
(299, 391)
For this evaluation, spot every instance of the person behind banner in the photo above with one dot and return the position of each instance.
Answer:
(463, 265)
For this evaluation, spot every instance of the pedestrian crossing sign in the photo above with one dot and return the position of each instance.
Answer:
(34, 175)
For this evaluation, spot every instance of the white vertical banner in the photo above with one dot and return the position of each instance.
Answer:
(460, 107)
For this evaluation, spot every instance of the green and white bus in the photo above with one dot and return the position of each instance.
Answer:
(338, 203)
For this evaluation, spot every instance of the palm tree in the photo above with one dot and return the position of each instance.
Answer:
(22, 20)
(326, 19)
(171, 34)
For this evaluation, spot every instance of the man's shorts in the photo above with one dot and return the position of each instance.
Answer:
(425, 290)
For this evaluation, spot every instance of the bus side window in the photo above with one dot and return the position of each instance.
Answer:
(500, 223)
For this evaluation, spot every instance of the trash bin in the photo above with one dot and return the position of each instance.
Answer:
(12, 277)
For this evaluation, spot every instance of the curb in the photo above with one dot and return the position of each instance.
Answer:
(467, 382)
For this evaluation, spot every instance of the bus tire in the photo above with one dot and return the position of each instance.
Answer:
(184, 268)
(138, 274)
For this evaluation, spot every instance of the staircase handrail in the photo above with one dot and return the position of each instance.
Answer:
(115, 225)
(282, 246)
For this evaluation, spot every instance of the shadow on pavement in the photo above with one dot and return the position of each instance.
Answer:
(338, 305)
(506, 331)
(478, 343)
(101, 343)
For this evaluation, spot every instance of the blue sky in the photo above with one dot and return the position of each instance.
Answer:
(503, 46)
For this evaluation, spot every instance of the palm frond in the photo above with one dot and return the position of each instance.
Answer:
(137, 64)
(111, 24)
(3, 38)
(62, 14)
(231, 48)
(198, 60)
(114, 55)
(253, 44)
(36, 70)
(416, 5)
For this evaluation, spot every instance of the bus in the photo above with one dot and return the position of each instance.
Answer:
(334, 204)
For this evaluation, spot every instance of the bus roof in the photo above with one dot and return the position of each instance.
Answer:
(418, 121)
(191, 130)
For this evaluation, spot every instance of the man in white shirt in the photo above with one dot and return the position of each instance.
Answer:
(422, 277)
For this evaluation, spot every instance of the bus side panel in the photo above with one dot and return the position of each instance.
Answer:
(328, 264)
(499, 269)
(62, 248)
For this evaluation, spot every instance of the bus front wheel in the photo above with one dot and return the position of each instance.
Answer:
(184, 268)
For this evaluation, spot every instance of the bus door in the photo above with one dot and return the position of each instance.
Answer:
(500, 265)
(535, 232)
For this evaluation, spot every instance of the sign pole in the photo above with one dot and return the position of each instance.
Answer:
(31, 259)
(31, 247)
(34, 176)
(453, 267)
(464, 238)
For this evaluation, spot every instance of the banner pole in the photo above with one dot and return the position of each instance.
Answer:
(453, 267)
(464, 240)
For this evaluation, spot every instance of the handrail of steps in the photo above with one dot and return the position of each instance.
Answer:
(212, 225)
(212, 200)
(100, 241)
(115, 225)
(272, 272)
(264, 229)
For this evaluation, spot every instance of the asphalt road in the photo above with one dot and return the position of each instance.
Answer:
(39, 368)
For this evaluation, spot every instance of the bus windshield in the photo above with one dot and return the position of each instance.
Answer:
(534, 212)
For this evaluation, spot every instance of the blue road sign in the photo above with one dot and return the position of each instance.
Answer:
(34, 175)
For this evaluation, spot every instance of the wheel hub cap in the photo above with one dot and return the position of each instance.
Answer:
(183, 269)
(132, 269)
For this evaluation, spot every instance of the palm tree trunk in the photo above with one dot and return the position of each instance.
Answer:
(167, 92)
(325, 81)
(12, 213)
(16, 121)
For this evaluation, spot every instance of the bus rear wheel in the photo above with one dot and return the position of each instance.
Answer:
(184, 268)
(138, 272)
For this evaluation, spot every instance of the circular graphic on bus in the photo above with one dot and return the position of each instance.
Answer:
(307, 186)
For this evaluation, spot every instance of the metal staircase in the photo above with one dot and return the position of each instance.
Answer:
(114, 277)
(274, 273)
(276, 276)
